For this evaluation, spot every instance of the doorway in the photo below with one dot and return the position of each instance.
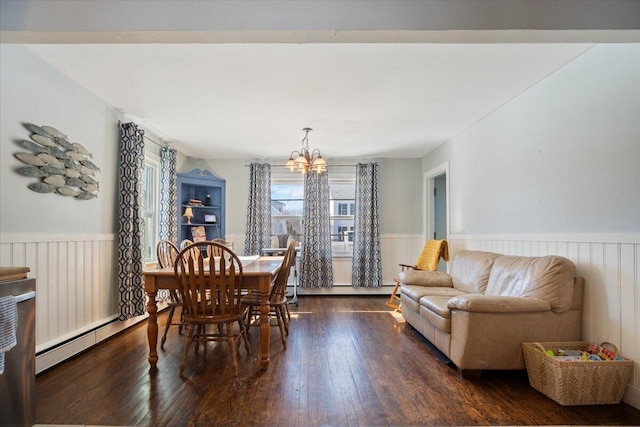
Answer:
(436, 218)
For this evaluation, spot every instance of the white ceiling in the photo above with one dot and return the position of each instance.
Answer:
(251, 101)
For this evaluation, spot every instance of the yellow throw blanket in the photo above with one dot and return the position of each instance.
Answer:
(431, 254)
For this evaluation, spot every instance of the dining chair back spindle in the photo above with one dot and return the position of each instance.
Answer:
(211, 290)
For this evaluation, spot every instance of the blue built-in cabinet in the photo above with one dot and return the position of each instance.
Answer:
(198, 184)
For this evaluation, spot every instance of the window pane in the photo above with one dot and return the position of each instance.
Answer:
(343, 191)
(286, 207)
(291, 225)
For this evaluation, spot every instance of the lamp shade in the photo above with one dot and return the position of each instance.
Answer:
(188, 213)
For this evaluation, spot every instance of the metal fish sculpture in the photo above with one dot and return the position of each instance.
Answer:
(88, 179)
(54, 132)
(72, 173)
(89, 164)
(36, 129)
(75, 182)
(58, 153)
(29, 159)
(75, 156)
(80, 149)
(85, 170)
(86, 195)
(43, 140)
(55, 180)
(30, 145)
(63, 143)
(89, 187)
(52, 170)
(32, 171)
(49, 159)
(40, 187)
(67, 191)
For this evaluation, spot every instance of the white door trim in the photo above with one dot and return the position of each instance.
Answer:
(428, 217)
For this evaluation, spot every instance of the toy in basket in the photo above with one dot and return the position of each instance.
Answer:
(577, 381)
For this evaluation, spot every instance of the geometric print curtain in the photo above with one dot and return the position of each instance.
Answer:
(316, 266)
(130, 225)
(168, 220)
(258, 233)
(366, 270)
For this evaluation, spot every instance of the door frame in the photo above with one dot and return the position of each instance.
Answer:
(428, 217)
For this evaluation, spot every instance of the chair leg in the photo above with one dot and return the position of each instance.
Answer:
(232, 347)
(166, 328)
(283, 337)
(243, 332)
(283, 314)
(183, 363)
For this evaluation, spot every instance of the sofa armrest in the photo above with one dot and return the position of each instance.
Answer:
(426, 278)
(497, 304)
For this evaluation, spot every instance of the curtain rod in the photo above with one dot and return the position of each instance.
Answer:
(154, 141)
(328, 166)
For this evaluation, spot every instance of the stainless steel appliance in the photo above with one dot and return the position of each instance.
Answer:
(18, 382)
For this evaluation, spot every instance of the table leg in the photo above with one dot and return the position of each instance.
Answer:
(152, 327)
(265, 330)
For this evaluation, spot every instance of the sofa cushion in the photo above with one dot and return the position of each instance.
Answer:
(425, 278)
(549, 278)
(435, 310)
(416, 292)
(470, 270)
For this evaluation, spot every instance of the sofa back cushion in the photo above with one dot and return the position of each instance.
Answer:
(549, 278)
(469, 270)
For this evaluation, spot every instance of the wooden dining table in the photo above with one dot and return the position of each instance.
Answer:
(258, 275)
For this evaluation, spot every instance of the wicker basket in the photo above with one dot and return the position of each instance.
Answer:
(576, 382)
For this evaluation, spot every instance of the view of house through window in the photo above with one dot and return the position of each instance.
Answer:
(150, 208)
(287, 204)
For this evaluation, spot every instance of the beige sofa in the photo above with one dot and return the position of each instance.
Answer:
(480, 313)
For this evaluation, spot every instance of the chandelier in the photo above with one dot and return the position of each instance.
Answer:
(304, 160)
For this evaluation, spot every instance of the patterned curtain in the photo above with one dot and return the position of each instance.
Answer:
(132, 296)
(168, 195)
(258, 209)
(367, 265)
(316, 266)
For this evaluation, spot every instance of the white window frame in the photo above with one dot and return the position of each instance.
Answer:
(150, 215)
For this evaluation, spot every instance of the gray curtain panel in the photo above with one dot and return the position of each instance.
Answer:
(316, 266)
(130, 225)
(367, 265)
(168, 224)
(258, 209)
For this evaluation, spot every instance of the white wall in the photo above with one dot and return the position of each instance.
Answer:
(33, 92)
(557, 171)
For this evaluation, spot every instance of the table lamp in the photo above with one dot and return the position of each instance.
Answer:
(188, 213)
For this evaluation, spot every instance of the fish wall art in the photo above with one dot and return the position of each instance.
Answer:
(60, 166)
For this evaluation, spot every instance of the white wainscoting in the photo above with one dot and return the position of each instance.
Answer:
(76, 286)
(610, 264)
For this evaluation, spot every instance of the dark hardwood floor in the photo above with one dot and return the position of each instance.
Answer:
(348, 362)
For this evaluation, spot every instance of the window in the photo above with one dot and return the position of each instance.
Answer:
(343, 207)
(287, 209)
(150, 207)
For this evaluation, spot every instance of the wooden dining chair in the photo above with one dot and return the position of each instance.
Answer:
(195, 249)
(166, 253)
(223, 243)
(211, 298)
(277, 297)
